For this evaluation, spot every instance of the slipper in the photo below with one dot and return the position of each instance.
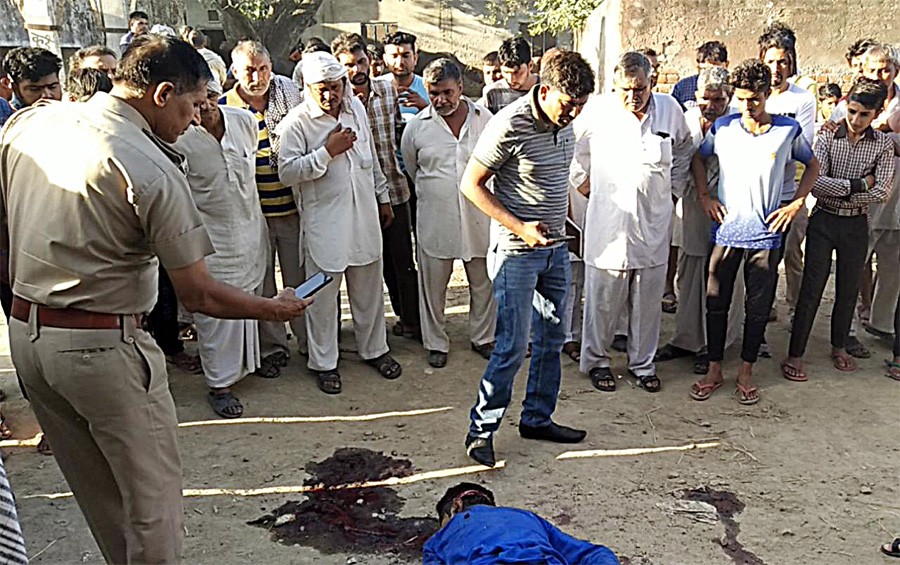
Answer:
(386, 365)
(329, 381)
(792, 373)
(602, 378)
(668, 352)
(701, 364)
(225, 404)
(670, 303)
(893, 369)
(268, 368)
(650, 383)
(843, 361)
(891, 549)
(573, 350)
(857, 349)
(701, 391)
(747, 395)
(43, 446)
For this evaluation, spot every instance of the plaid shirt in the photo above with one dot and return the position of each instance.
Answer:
(843, 165)
(384, 115)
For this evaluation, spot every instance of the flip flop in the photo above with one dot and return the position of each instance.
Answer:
(843, 362)
(744, 395)
(792, 373)
(893, 369)
(891, 549)
(225, 405)
(701, 391)
(573, 350)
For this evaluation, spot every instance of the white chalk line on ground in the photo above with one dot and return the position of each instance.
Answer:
(635, 451)
(312, 419)
(301, 489)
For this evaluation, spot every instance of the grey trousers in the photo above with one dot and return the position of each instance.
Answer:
(886, 246)
(285, 241)
(607, 293)
(434, 276)
(364, 289)
(793, 256)
(690, 319)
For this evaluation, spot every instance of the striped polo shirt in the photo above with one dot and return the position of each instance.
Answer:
(275, 198)
(530, 159)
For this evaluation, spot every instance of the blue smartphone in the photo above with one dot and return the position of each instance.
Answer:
(313, 285)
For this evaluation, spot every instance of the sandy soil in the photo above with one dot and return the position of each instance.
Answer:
(814, 465)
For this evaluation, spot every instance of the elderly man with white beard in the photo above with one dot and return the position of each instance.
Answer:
(328, 156)
(436, 146)
(632, 155)
(220, 156)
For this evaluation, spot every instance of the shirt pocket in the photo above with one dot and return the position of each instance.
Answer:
(657, 150)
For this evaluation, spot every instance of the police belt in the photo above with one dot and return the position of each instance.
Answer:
(69, 318)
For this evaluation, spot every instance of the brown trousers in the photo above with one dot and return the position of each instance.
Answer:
(102, 397)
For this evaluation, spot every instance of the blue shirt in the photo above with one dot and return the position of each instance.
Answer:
(685, 91)
(5, 111)
(751, 177)
(417, 86)
(483, 535)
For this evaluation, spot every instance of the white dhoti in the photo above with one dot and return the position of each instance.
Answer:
(607, 294)
(573, 315)
(434, 276)
(229, 349)
(366, 295)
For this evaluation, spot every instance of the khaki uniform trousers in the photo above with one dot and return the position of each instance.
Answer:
(102, 397)
(285, 241)
(434, 276)
(690, 319)
(886, 246)
(366, 295)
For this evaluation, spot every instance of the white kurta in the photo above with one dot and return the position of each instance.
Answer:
(635, 167)
(448, 225)
(340, 195)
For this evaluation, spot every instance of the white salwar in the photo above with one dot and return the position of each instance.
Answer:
(223, 184)
(448, 225)
(634, 168)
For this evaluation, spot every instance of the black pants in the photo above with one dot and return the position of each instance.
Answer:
(897, 329)
(399, 269)
(162, 322)
(849, 238)
(6, 299)
(760, 280)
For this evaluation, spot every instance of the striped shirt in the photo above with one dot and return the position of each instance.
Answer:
(12, 544)
(499, 95)
(844, 164)
(530, 158)
(275, 198)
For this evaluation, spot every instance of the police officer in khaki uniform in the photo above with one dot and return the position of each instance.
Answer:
(91, 197)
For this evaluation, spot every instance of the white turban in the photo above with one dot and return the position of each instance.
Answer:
(320, 66)
(214, 86)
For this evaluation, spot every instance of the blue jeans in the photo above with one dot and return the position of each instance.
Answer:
(530, 289)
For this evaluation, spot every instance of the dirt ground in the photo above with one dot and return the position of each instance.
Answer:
(809, 475)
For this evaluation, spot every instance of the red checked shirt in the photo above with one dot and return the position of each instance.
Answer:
(844, 164)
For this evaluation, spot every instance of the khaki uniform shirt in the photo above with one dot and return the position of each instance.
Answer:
(92, 198)
(222, 176)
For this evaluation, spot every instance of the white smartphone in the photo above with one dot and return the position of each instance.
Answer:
(313, 285)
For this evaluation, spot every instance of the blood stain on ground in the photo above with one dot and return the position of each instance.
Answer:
(351, 520)
(728, 506)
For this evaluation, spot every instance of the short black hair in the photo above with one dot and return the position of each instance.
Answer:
(81, 84)
(154, 58)
(830, 90)
(752, 75)
(568, 72)
(30, 63)
(479, 495)
(315, 45)
(348, 43)
(514, 52)
(137, 15)
(868, 92)
(492, 59)
(648, 52)
(79, 56)
(401, 38)
(713, 52)
(197, 39)
(858, 47)
(779, 36)
(375, 51)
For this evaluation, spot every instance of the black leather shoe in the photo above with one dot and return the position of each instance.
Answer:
(481, 450)
(485, 349)
(437, 359)
(552, 432)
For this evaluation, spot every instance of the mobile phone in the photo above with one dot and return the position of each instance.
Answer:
(560, 238)
(313, 285)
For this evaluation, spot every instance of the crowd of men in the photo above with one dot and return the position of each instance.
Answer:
(175, 182)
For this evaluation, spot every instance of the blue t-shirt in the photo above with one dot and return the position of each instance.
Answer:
(417, 86)
(685, 91)
(483, 535)
(5, 111)
(751, 177)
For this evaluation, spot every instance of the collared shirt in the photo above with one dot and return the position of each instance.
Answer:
(275, 198)
(685, 91)
(843, 164)
(91, 207)
(125, 42)
(499, 95)
(530, 158)
(340, 195)
(221, 177)
(448, 225)
(695, 222)
(751, 177)
(634, 167)
(417, 85)
(216, 64)
(384, 115)
(798, 104)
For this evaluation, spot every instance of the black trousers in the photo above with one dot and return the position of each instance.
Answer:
(849, 238)
(6, 299)
(760, 281)
(400, 275)
(897, 330)
(162, 322)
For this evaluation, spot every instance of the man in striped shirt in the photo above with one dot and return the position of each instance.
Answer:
(270, 97)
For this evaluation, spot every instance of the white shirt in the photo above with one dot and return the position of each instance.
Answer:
(800, 104)
(222, 177)
(634, 167)
(448, 225)
(695, 234)
(340, 195)
(216, 64)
